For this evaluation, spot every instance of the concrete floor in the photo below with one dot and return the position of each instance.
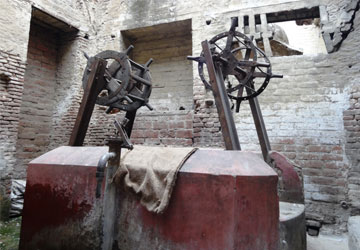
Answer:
(327, 242)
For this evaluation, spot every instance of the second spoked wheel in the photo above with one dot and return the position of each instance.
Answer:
(241, 63)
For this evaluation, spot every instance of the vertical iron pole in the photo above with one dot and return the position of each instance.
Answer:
(228, 127)
(260, 126)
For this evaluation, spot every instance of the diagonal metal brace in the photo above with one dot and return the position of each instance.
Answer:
(126, 143)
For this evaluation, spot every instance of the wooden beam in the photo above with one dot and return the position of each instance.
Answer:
(93, 87)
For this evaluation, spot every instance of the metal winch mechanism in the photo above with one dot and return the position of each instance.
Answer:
(113, 80)
(237, 70)
(243, 65)
(127, 84)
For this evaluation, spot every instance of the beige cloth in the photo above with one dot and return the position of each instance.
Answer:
(151, 172)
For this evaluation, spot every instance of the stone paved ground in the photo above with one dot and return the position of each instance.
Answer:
(327, 243)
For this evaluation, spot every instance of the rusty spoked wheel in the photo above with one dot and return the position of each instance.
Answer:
(127, 83)
(139, 88)
(241, 62)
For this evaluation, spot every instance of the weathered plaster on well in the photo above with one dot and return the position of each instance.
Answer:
(312, 114)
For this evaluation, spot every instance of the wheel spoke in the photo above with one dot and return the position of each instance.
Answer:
(218, 46)
(240, 70)
(248, 53)
(245, 63)
(229, 41)
(140, 79)
(238, 101)
(248, 87)
(136, 97)
(240, 91)
(238, 49)
(240, 41)
(113, 68)
(260, 74)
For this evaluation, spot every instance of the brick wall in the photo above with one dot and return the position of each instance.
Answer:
(68, 89)
(168, 44)
(12, 70)
(303, 115)
(69, 93)
(150, 128)
(38, 96)
(207, 131)
(164, 128)
(352, 148)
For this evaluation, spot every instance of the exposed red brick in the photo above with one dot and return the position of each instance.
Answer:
(160, 125)
(176, 125)
(325, 149)
(151, 134)
(184, 134)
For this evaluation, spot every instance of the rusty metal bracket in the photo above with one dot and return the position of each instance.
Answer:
(126, 143)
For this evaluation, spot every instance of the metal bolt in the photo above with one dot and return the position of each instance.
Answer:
(344, 204)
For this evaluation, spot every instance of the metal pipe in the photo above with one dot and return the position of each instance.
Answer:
(100, 170)
(110, 195)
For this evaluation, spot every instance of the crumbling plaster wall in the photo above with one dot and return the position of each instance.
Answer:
(303, 111)
(15, 17)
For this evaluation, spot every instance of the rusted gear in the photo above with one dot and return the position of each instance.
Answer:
(240, 62)
(127, 83)
(229, 57)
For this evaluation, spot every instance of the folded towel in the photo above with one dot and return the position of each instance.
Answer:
(151, 173)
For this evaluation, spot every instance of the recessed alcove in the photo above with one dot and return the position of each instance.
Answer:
(168, 44)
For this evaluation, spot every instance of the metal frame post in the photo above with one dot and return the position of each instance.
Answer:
(93, 87)
(228, 127)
